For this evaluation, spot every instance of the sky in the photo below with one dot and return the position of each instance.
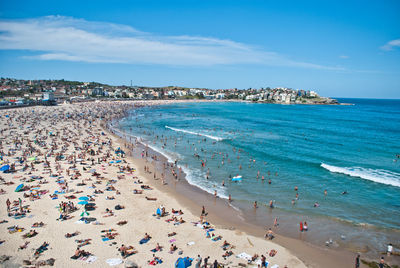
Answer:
(337, 48)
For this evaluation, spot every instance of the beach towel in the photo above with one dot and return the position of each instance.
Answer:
(91, 259)
(275, 266)
(172, 240)
(113, 262)
(244, 256)
(143, 241)
(105, 239)
(190, 243)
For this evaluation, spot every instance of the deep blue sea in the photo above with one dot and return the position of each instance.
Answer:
(352, 149)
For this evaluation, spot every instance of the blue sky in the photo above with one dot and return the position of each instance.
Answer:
(339, 48)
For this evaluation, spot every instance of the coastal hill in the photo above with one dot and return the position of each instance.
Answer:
(18, 91)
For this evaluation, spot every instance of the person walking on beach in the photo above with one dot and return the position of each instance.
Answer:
(357, 261)
(382, 263)
(206, 262)
(263, 261)
(198, 262)
(8, 203)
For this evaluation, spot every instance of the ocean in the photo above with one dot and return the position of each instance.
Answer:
(349, 151)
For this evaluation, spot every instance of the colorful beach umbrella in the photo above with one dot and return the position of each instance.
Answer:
(85, 198)
(82, 202)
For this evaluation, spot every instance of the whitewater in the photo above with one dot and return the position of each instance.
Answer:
(194, 133)
(379, 176)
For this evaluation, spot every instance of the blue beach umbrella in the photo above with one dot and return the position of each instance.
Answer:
(83, 202)
(85, 198)
(19, 187)
(5, 168)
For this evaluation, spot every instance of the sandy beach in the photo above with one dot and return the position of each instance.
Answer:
(63, 157)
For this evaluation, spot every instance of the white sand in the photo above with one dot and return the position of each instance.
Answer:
(138, 211)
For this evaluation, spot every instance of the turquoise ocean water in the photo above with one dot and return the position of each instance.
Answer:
(339, 149)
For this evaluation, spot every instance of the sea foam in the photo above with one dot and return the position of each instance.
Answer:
(375, 175)
(194, 133)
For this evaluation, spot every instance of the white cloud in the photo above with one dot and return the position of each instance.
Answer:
(391, 44)
(343, 56)
(71, 39)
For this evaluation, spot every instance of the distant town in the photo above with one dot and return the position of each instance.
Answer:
(51, 92)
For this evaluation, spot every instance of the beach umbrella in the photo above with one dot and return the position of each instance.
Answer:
(5, 168)
(19, 187)
(85, 198)
(82, 202)
(85, 213)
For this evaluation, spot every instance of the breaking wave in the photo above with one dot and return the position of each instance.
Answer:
(375, 175)
(194, 133)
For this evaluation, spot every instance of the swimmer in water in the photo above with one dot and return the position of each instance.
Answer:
(271, 204)
(255, 204)
(344, 192)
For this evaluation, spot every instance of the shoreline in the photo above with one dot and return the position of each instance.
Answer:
(92, 164)
(83, 125)
(186, 193)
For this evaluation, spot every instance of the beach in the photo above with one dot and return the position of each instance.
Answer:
(63, 140)
(67, 154)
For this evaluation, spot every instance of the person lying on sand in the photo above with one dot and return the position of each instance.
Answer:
(40, 249)
(127, 251)
(68, 235)
(151, 198)
(38, 224)
(119, 207)
(80, 253)
(155, 260)
(24, 246)
(137, 191)
(227, 254)
(179, 212)
(171, 234)
(108, 213)
(122, 222)
(30, 234)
